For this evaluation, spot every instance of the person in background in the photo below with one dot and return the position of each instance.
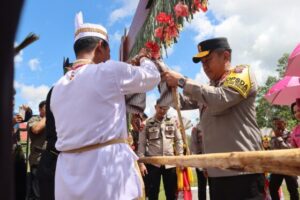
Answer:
(281, 140)
(197, 148)
(138, 124)
(25, 113)
(266, 142)
(36, 130)
(295, 135)
(158, 138)
(47, 164)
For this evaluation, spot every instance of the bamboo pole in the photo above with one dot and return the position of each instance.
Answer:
(275, 161)
(181, 125)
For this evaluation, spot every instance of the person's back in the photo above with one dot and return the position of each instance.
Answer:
(88, 105)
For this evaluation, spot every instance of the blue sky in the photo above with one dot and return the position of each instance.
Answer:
(255, 32)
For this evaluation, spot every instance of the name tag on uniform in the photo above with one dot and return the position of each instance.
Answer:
(153, 129)
(170, 128)
(153, 133)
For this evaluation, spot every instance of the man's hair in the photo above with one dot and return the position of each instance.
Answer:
(221, 50)
(87, 44)
(42, 104)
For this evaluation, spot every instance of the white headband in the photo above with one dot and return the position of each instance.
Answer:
(84, 30)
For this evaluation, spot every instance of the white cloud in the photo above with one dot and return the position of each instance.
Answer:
(167, 52)
(18, 58)
(259, 32)
(34, 64)
(116, 37)
(32, 95)
(127, 9)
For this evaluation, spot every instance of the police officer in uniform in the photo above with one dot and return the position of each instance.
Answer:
(196, 147)
(228, 116)
(158, 138)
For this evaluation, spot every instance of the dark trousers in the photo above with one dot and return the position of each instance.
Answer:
(291, 183)
(202, 182)
(242, 187)
(33, 186)
(20, 174)
(46, 174)
(153, 182)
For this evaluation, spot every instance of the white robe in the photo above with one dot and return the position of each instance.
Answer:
(90, 109)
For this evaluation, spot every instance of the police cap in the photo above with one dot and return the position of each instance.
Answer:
(207, 46)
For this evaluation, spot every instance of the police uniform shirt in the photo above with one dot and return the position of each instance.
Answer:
(158, 138)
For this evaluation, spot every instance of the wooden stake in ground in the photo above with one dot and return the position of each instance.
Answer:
(275, 161)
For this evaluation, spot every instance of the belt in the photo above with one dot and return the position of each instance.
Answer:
(96, 146)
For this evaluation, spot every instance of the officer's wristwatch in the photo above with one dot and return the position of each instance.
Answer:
(181, 82)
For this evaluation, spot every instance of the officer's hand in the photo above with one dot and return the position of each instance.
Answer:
(143, 169)
(171, 77)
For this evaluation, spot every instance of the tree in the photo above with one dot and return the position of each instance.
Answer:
(264, 110)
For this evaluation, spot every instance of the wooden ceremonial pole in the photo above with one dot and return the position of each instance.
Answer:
(181, 125)
(275, 161)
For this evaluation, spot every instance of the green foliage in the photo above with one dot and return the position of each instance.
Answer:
(264, 110)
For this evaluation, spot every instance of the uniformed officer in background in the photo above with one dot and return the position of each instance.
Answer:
(158, 138)
(229, 118)
(196, 147)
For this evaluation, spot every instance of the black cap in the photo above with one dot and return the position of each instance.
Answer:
(206, 46)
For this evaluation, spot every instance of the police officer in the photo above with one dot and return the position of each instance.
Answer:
(196, 147)
(228, 118)
(158, 138)
(36, 130)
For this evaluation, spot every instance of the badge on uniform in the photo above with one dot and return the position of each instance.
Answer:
(239, 80)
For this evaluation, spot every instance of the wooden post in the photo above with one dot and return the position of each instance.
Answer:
(9, 17)
(181, 125)
(138, 21)
(275, 161)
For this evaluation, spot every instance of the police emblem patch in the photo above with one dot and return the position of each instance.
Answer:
(239, 80)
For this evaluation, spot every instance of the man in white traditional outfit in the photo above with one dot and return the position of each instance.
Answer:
(89, 108)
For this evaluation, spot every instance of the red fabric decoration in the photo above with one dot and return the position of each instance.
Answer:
(153, 48)
(181, 10)
(163, 17)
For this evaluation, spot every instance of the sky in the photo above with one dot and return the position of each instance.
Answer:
(259, 33)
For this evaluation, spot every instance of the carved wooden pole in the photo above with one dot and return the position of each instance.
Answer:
(275, 161)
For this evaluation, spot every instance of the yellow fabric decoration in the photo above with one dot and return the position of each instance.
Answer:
(179, 178)
(239, 80)
(190, 175)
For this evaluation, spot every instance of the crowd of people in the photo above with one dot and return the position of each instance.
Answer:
(83, 153)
